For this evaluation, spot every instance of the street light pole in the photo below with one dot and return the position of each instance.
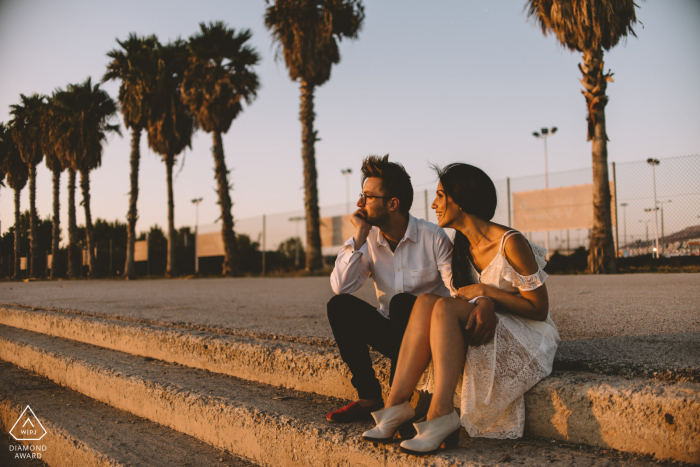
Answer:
(297, 239)
(663, 236)
(647, 230)
(653, 163)
(347, 173)
(546, 133)
(196, 202)
(624, 218)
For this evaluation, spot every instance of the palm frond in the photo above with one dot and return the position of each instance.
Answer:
(219, 75)
(307, 33)
(15, 169)
(584, 24)
(135, 65)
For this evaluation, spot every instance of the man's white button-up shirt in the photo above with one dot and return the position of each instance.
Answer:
(421, 263)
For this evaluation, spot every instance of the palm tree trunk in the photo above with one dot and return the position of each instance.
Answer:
(33, 227)
(229, 237)
(56, 227)
(314, 259)
(17, 253)
(75, 258)
(85, 187)
(130, 266)
(170, 270)
(601, 256)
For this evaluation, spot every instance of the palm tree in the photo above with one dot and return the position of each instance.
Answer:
(590, 27)
(171, 124)
(307, 34)
(66, 141)
(135, 66)
(50, 143)
(62, 110)
(86, 112)
(26, 131)
(218, 79)
(17, 173)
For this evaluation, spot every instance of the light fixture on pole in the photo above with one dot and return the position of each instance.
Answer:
(347, 173)
(196, 202)
(624, 218)
(653, 163)
(545, 133)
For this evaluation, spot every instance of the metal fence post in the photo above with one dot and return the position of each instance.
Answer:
(110, 256)
(426, 204)
(617, 236)
(148, 257)
(508, 190)
(196, 256)
(263, 246)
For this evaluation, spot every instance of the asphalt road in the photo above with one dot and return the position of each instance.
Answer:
(583, 307)
(651, 321)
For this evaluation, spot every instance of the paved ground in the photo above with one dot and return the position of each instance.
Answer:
(650, 322)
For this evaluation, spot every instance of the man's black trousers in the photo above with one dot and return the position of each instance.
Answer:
(357, 325)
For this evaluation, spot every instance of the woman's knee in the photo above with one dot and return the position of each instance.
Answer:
(427, 300)
(443, 308)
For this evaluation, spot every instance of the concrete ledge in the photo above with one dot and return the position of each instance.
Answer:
(280, 363)
(62, 450)
(647, 417)
(242, 416)
(83, 432)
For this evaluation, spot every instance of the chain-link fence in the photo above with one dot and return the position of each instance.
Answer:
(655, 211)
(536, 205)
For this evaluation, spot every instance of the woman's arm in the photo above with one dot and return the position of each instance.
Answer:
(533, 304)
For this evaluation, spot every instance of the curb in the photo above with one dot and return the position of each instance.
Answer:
(635, 415)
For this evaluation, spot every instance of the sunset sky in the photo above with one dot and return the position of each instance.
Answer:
(436, 82)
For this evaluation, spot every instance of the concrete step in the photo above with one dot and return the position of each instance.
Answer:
(632, 415)
(84, 432)
(235, 415)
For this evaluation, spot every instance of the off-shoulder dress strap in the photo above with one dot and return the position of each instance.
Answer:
(505, 238)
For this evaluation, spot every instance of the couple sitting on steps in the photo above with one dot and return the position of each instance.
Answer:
(476, 310)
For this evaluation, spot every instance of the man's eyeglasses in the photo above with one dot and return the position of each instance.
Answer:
(365, 197)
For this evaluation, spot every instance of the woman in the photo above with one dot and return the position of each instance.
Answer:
(507, 351)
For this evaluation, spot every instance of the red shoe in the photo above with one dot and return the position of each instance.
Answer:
(354, 413)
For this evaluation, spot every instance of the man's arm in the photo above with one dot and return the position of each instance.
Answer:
(352, 267)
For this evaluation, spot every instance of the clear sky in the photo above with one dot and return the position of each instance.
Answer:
(439, 82)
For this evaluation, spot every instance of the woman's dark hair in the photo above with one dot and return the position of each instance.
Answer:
(475, 194)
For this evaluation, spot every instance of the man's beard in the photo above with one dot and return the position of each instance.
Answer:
(378, 220)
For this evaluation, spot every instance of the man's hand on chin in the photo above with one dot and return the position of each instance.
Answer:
(362, 228)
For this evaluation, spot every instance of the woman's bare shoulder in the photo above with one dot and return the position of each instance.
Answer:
(519, 254)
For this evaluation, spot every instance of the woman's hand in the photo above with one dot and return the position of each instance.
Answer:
(482, 321)
(470, 291)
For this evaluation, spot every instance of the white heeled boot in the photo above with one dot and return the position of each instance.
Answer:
(432, 434)
(388, 421)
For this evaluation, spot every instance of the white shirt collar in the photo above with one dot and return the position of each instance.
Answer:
(410, 234)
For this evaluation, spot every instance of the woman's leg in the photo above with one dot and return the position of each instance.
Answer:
(448, 348)
(414, 355)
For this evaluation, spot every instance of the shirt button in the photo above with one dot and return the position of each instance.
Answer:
(399, 269)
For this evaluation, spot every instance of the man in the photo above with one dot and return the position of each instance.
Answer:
(406, 257)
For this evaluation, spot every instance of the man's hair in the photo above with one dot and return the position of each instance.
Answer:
(395, 180)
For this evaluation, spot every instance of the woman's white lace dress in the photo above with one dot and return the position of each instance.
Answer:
(497, 374)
